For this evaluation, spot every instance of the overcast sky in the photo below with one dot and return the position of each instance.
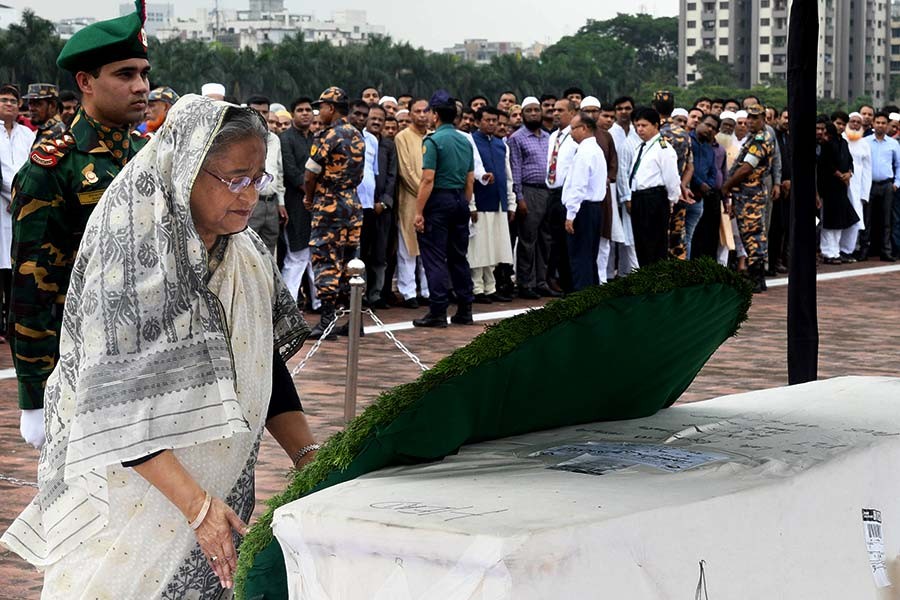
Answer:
(525, 21)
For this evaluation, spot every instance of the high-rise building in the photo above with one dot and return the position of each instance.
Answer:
(752, 37)
(894, 65)
(158, 15)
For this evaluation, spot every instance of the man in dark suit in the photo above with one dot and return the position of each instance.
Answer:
(296, 142)
(377, 221)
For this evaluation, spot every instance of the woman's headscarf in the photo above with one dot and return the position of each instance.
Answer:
(145, 357)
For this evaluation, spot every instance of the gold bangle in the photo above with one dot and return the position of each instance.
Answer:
(196, 523)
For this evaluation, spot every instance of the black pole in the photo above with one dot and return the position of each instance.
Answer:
(803, 327)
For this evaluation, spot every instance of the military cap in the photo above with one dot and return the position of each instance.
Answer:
(37, 91)
(106, 42)
(441, 98)
(163, 94)
(756, 110)
(333, 95)
(664, 95)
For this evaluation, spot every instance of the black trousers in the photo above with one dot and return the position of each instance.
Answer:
(706, 235)
(650, 223)
(779, 232)
(373, 243)
(558, 261)
(876, 237)
(443, 246)
(584, 245)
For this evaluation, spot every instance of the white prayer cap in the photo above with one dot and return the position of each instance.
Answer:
(590, 102)
(387, 99)
(529, 101)
(315, 112)
(894, 116)
(275, 107)
(856, 114)
(741, 114)
(679, 112)
(212, 89)
(402, 111)
(727, 114)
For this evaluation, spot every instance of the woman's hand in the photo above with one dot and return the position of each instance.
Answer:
(214, 537)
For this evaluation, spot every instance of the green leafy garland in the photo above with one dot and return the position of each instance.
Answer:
(496, 341)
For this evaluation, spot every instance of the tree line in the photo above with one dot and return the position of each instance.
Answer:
(626, 55)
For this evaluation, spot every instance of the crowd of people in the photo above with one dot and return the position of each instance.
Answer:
(568, 190)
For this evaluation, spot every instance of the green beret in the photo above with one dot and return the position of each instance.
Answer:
(106, 42)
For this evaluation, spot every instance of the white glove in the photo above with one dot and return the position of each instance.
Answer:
(31, 426)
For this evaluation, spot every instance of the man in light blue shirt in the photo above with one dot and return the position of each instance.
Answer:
(876, 237)
(359, 113)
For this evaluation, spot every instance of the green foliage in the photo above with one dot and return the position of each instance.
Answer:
(340, 450)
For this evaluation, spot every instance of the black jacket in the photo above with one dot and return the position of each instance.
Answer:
(295, 149)
(386, 180)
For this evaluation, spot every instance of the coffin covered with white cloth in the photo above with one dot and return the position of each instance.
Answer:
(783, 493)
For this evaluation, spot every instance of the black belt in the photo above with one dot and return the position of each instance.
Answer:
(538, 186)
(269, 197)
(884, 181)
(651, 191)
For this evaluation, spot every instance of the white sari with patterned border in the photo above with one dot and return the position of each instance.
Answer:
(164, 346)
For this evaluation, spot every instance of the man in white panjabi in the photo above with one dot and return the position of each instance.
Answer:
(860, 182)
(15, 146)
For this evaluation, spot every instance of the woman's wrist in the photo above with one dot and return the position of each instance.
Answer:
(192, 507)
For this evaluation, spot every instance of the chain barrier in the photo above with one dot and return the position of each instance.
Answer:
(394, 339)
(312, 351)
(18, 482)
(378, 323)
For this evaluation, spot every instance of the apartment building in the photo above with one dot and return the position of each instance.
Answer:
(752, 36)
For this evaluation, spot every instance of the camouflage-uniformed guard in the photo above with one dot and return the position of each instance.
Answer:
(43, 106)
(748, 194)
(680, 140)
(333, 172)
(56, 190)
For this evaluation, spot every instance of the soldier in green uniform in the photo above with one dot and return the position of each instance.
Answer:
(333, 172)
(745, 188)
(43, 106)
(677, 137)
(56, 190)
(442, 215)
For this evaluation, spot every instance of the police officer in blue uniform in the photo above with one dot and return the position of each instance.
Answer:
(442, 215)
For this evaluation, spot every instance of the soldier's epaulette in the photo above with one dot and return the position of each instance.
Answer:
(48, 153)
(760, 137)
(662, 143)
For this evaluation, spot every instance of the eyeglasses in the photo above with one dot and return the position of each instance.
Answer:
(8, 101)
(239, 184)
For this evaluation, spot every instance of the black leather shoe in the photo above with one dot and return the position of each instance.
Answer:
(498, 297)
(546, 292)
(483, 299)
(888, 258)
(529, 294)
(410, 303)
(430, 320)
(344, 330)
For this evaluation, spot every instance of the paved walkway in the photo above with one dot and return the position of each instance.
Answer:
(859, 324)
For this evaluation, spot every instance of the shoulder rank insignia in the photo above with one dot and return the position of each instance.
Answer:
(662, 143)
(47, 154)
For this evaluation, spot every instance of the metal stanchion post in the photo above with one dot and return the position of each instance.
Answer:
(356, 268)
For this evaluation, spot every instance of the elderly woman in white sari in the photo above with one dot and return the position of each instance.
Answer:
(176, 331)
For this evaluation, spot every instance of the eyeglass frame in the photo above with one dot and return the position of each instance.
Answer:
(242, 183)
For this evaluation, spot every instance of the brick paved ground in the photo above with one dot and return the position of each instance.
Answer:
(859, 320)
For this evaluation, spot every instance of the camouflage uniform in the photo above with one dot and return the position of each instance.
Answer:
(339, 157)
(680, 140)
(749, 199)
(53, 128)
(52, 197)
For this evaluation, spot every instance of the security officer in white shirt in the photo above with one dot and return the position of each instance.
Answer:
(583, 192)
(655, 188)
